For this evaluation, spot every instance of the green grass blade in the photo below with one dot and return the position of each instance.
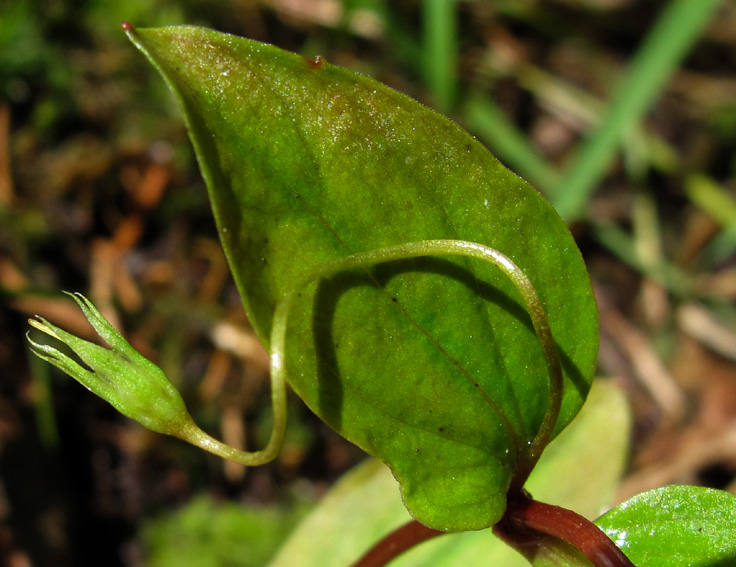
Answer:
(712, 198)
(440, 51)
(668, 42)
(623, 245)
(719, 204)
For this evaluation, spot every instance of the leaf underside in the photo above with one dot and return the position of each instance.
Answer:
(430, 364)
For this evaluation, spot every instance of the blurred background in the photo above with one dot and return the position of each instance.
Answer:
(621, 112)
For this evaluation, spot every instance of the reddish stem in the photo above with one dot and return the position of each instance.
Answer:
(523, 523)
(394, 544)
(524, 517)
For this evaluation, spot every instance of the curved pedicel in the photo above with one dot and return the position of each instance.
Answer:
(137, 387)
(527, 454)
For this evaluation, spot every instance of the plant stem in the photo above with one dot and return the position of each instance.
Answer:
(397, 542)
(525, 519)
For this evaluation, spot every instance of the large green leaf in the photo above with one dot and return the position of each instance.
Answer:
(431, 364)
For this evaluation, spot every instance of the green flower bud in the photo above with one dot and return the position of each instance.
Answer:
(121, 375)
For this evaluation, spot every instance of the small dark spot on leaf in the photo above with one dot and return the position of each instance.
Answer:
(297, 195)
(315, 63)
(442, 429)
(476, 385)
(394, 299)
